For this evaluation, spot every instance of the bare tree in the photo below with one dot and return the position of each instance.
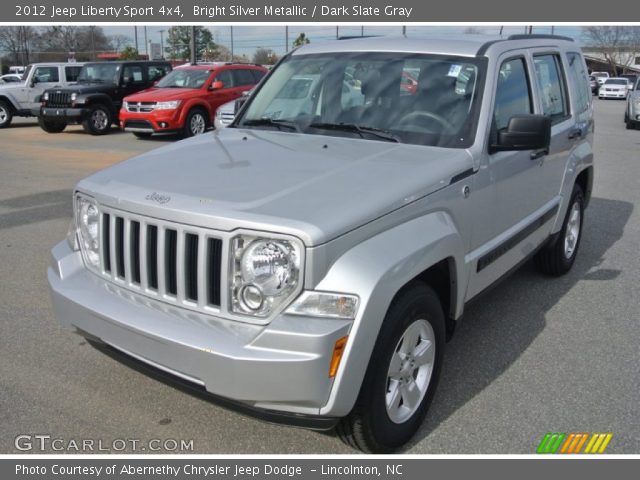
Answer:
(18, 42)
(118, 42)
(618, 45)
(473, 30)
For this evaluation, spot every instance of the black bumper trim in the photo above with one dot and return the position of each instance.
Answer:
(311, 422)
(63, 113)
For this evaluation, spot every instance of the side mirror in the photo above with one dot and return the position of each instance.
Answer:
(34, 80)
(524, 132)
(217, 85)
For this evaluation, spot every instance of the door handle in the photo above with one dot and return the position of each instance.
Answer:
(538, 153)
(575, 133)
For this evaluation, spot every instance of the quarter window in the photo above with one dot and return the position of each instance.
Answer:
(513, 94)
(552, 90)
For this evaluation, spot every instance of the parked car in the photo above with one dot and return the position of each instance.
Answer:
(600, 77)
(22, 99)
(593, 84)
(96, 99)
(614, 88)
(631, 77)
(186, 100)
(632, 112)
(307, 264)
(11, 78)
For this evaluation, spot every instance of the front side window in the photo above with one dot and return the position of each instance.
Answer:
(408, 98)
(513, 92)
(46, 74)
(551, 85)
(226, 77)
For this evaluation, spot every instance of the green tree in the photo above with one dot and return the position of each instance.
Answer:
(179, 42)
(265, 56)
(129, 53)
(301, 40)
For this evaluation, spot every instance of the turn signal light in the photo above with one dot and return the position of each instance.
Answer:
(338, 350)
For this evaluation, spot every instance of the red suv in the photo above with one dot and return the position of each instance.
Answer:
(186, 100)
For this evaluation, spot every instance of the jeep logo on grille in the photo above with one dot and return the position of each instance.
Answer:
(158, 197)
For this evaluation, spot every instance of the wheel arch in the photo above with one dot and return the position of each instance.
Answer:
(427, 249)
(6, 98)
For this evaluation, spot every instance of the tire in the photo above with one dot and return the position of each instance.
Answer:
(558, 258)
(373, 426)
(196, 123)
(142, 134)
(51, 126)
(6, 114)
(98, 120)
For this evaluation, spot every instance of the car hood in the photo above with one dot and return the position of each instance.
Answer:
(312, 186)
(86, 88)
(161, 94)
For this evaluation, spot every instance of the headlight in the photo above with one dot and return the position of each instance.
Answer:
(87, 220)
(265, 273)
(125, 105)
(167, 105)
(74, 97)
(45, 96)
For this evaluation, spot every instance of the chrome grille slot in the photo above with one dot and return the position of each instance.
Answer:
(172, 262)
(59, 99)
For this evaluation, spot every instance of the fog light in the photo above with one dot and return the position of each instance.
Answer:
(252, 297)
(163, 124)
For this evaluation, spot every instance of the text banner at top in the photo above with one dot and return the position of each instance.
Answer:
(305, 11)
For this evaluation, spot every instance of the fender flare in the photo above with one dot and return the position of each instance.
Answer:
(10, 100)
(376, 270)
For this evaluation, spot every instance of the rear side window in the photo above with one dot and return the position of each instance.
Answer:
(71, 73)
(552, 89)
(226, 78)
(257, 75)
(579, 82)
(513, 93)
(243, 76)
(46, 74)
(156, 72)
(133, 73)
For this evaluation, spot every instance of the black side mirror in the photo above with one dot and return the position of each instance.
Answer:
(524, 132)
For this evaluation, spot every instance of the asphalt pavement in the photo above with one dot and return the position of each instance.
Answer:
(534, 355)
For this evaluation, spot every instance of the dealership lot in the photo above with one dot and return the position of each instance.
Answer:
(535, 355)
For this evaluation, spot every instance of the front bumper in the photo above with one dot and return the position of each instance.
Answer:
(63, 114)
(277, 371)
(617, 94)
(159, 121)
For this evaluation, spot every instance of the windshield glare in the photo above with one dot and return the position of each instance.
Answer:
(99, 72)
(184, 79)
(417, 99)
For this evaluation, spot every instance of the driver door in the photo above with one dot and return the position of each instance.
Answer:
(43, 79)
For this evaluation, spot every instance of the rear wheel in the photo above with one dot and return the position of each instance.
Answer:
(557, 259)
(6, 114)
(142, 134)
(402, 375)
(196, 123)
(51, 126)
(98, 120)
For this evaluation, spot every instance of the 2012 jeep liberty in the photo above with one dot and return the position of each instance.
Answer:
(307, 264)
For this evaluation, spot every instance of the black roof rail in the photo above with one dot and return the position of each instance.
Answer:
(521, 36)
(352, 37)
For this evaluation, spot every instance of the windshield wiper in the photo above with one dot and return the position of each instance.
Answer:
(256, 122)
(352, 127)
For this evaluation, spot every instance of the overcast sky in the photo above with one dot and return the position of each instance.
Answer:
(248, 38)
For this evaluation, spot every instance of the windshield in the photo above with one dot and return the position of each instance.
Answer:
(616, 81)
(406, 98)
(184, 79)
(99, 73)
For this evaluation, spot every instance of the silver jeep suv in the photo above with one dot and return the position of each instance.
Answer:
(308, 263)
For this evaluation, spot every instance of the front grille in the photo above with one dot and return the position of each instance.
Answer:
(59, 99)
(141, 107)
(173, 262)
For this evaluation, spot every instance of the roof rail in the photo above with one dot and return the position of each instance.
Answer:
(352, 37)
(534, 36)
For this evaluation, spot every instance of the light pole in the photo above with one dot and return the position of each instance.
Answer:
(135, 34)
(146, 43)
(231, 43)
(286, 38)
(162, 44)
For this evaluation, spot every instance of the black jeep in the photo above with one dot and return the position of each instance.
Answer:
(95, 100)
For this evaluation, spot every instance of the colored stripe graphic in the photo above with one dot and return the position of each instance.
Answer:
(551, 442)
(564, 443)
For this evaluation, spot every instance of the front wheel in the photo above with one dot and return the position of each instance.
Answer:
(195, 123)
(6, 115)
(402, 375)
(98, 120)
(51, 126)
(557, 259)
